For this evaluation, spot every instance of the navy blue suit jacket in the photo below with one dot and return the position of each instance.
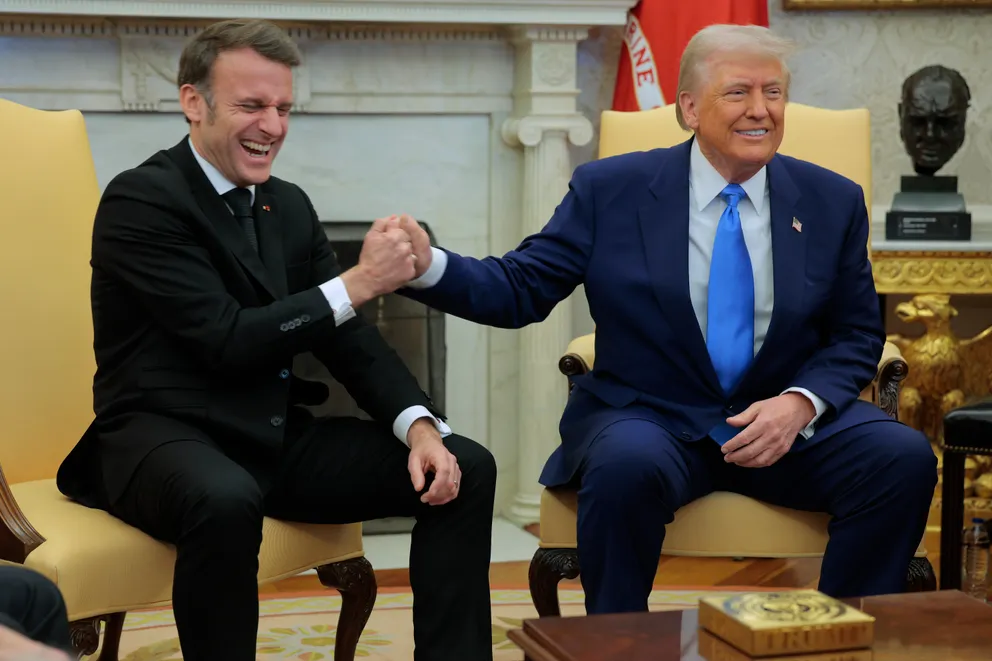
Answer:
(622, 231)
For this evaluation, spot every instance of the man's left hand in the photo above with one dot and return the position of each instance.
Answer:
(428, 454)
(770, 428)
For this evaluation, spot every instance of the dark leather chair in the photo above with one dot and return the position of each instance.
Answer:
(967, 431)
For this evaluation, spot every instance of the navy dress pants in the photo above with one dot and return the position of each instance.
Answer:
(876, 480)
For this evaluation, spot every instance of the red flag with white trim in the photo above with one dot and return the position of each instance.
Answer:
(656, 34)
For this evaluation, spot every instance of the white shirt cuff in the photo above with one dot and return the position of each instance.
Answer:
(430, 277)
(818, 404)
(405, 420)
(337, 297)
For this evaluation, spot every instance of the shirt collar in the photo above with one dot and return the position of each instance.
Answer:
(219, 181)
(706, 183)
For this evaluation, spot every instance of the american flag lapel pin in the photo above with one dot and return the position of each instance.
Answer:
(268, 208)
(796, 225)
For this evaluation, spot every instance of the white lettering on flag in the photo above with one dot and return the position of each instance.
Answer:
(642, 66)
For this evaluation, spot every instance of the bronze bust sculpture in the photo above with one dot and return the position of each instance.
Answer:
(932, 116)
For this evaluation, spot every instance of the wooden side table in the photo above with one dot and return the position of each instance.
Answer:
(921, 626)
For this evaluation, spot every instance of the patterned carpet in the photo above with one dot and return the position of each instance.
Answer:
(302, 626)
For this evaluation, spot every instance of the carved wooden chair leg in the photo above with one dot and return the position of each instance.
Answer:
(113, 628)
(547, 569)
(355, 580)
(920, 577)
(85, 636)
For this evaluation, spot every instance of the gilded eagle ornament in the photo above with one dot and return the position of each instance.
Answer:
(945, 372)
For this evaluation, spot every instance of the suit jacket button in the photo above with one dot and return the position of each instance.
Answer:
(686, 435)
(275, 420)
(284, 374)
(305, 318)
(284, 327)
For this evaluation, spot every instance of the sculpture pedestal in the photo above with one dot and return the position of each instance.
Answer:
(928, 209)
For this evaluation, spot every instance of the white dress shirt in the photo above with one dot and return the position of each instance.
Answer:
(705, 208)
(337, 297)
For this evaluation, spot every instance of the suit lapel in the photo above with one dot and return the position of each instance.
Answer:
(664, 221)
(270, 246)
(788, 258)
(221, 219)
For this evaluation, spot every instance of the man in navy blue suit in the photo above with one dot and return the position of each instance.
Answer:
(736, 324)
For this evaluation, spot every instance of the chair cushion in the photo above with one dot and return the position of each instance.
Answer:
(966, 428)
(103, 565)
(722, 524)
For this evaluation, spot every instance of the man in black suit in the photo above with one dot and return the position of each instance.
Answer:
(209, 276)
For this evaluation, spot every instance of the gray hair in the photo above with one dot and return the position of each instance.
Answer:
(719, 39)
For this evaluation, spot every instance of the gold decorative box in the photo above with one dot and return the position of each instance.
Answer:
(712, 648)
(794, 622)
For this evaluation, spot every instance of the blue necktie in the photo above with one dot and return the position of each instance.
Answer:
(730, 300)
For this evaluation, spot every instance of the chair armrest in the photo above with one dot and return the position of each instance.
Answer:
(17, 536)
(892, 369)
(579, 356)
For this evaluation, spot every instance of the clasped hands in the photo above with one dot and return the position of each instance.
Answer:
(770, 427)
(395, 251)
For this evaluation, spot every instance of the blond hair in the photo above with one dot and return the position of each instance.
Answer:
(722, 39)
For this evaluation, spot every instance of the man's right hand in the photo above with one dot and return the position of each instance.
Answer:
(386, 263)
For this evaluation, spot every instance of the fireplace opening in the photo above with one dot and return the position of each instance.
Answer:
(413, 330)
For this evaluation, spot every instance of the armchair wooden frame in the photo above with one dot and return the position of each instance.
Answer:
(550, 566)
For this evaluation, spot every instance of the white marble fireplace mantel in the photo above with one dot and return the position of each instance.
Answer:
(460, 112)
(584, 13)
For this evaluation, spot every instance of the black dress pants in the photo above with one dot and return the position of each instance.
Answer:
(340, 470)
(32, 605)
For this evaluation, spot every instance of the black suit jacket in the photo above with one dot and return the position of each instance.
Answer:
(195, 332)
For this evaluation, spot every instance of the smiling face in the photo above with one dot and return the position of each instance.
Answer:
(737, 111)
(246, 120)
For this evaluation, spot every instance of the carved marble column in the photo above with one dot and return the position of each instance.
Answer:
(544, 122)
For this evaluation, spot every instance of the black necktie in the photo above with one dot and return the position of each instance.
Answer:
(239, 199)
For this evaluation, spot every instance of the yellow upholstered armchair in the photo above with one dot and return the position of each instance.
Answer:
(103, 567)
(725, 524)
